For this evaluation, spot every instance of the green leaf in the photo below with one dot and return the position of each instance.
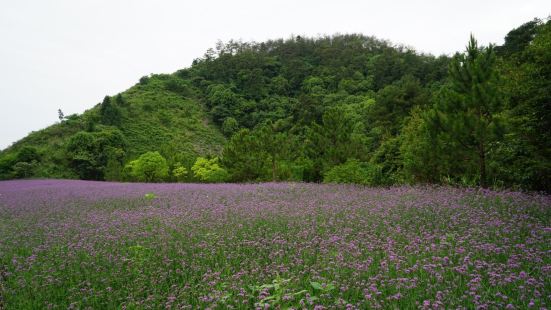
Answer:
(316, 286)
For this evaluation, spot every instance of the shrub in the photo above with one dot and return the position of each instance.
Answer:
(24, 169)
(354, 172)
(208, 170)
(149, 167)
(230, 126)
(179, 172)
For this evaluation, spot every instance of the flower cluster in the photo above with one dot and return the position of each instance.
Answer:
(78, 244)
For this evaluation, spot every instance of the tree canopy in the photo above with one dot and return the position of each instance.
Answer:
(342, 108)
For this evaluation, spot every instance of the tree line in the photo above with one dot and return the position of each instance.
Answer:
(343, 109)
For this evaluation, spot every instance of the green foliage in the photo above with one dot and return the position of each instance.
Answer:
(144, 80)
(323, 288)
(110, 113)
(6, 166)
(113, 170)
(179, 172)
(519, 38)
(230, 126)
(89, 153)
(27, 154)
(393, 104)
(424, 158)
(295, 109)
(279, 293)
(388, 160)
(340, 137)
(223, 101)
(469, 110)
(24, 169)
(241, 156)
(149, 167)
(150, 196)
(258, 154)
(353, 171)
(209, 171)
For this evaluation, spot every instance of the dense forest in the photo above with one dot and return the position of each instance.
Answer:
(343, 109)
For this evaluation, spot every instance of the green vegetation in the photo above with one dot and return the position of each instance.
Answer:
(149, 167)
(309, 109)
(94, 245)
(208, 170)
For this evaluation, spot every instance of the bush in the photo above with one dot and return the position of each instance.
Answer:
(230, 126)
(89, 153)
(209, 171)
(24, 169)
(149, 167)
(179, 172)
(353, 172)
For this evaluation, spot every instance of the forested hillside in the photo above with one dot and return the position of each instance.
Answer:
(344, 108)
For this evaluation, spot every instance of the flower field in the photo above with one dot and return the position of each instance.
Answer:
(78, 244)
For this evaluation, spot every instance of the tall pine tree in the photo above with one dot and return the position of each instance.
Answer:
(110, 114)
(468, 112)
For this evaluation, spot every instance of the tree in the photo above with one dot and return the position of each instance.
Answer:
(113, 170)
(424, 159)
(223, 101)
(469, 110)
(258, 153)
(110, 113)
(523, 158)
(119, 100)
(273, 144)
(28, 154)
(89, 152)
(519, 38)
(209, 171)
(241, 155)
(60, 115)
(179, 172)
(230, 126)
(394, 102)
(340, 137)
(24, 169)
(149, 167)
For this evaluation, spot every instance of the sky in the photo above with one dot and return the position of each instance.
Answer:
(69, 54)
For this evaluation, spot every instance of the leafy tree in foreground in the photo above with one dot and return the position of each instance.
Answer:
(469, 111)
(149, 167)
(209, 171)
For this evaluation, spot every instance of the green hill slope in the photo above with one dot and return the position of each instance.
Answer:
(161, 113)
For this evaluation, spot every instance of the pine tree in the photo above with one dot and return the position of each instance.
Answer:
(110, 114)
(468, 112)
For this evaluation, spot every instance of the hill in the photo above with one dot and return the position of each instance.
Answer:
(343, 108)
(160, 113)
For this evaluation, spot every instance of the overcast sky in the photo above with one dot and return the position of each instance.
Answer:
(69, 54)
